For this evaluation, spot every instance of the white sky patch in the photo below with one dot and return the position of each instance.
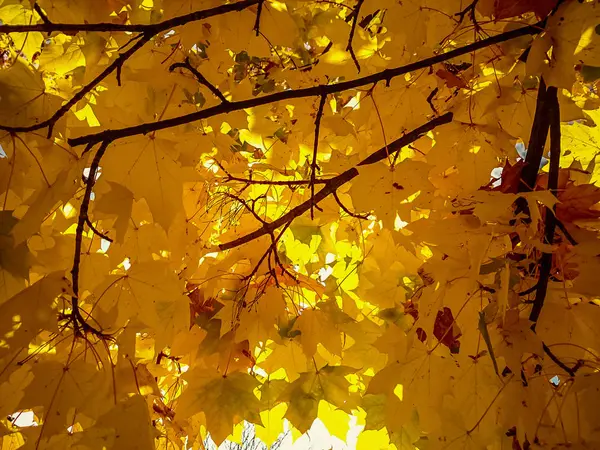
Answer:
(24, 419)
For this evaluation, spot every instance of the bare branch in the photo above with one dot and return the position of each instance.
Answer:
(78, 320)
(42, 14)
(469, 9)
(557, 361)
(537, 140)
(258, 13)
(115, 65)
(551, 101)
(561, 227)
(148, 31)
(95, 231)
(313, 165)
(333, 184)
(245, 205)
(314, 91)
(201, 79)
(349, 47)
(151, 29)
(346, 210)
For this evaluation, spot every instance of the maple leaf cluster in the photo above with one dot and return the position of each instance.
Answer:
(377, 213)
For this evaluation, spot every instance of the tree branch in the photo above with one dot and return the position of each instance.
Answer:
(151, 29)
(535, 150)
(148, 31)
(257, 21)
(553, 119)
(557, 361)
(201, 79)
(314, 91)
(469, 9)
(76, 317)
(115, 65)
(539, 135)
(95, 231)
(349, 47)
(41, 13)
(313, 165)
(346, 210)
(334, 183)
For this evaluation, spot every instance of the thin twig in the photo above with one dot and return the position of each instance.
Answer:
(51, 122)
(346, 210)
(148, 31)
(257, 21)
(201, 79)
(276, 182)
(95, 230)
(349, 47)
(469, 9)
(313, 165)
(557, 361)
(246, 206)
(528, 291)
(334, 183)
(314, 91)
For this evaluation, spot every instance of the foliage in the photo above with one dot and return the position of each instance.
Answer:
(264, 210)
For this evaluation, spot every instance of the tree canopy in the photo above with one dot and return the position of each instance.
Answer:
(258, 211)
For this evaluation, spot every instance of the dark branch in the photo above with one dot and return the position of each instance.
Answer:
(151, 29)
(201, 79)
(258, 13)
(42, 14)
(469, 9)
(557, 361)
(561, 227)
(346, 210)
(245, 205)
(78, 320)
(314, 91)
(349, 47)
(550, 221)
(313, 165)
(535, 150)
(95, 231)
(115, 65)
(528, 291)
(537, 140)
(336, 182)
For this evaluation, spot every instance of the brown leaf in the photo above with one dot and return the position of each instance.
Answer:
(451, 79)
(446, 330)
(511, 174)
(576, 202)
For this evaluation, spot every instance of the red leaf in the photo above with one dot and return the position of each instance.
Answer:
(446, 330)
